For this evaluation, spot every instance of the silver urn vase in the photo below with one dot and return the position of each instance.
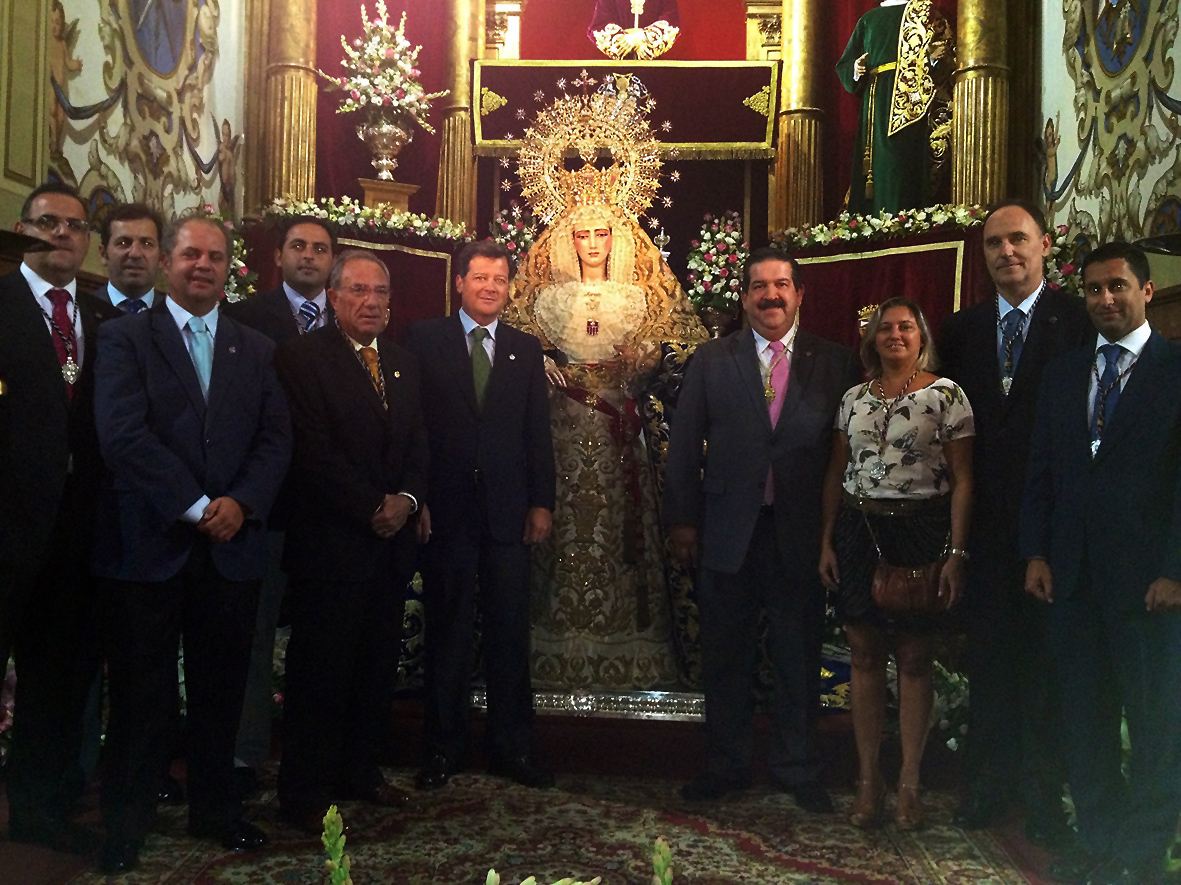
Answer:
(385, 140)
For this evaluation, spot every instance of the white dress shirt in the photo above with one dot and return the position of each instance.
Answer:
(118, 297)
(296, 301)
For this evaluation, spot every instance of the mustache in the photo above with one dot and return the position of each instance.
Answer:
(768, 302)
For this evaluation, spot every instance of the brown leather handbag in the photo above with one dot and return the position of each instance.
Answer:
(899, 588)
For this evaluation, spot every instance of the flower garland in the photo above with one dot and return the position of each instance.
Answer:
(1061, 269)
(382, 73)
(715, 263)
(349, 214)
(516, 229)
(241, 279)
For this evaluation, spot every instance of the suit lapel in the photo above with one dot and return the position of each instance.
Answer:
(225, 356)
(750, 373)
(1136, 398)
(172, 345)
(458, 361)
(802, 363)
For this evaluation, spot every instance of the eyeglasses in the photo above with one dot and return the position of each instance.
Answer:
(47, 224)
(362, 291)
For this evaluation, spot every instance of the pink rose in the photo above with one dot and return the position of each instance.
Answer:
(1068, 268)
(242, 271)
(355, 95)
(504, 225)
(733, 258)
(723, 273)
(415, 73)
(401, 93)
(695, 243)
(387, 101)
(389, 52)
(434, 222)
(707, 286)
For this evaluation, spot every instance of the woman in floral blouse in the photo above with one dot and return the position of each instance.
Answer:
(899, 488)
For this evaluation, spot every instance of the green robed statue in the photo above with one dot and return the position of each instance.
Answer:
(899, 60)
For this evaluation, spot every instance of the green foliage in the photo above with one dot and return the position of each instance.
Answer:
(338, 862)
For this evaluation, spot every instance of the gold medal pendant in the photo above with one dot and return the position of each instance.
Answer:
(70, 370)
(1006, 383)
(769, 393)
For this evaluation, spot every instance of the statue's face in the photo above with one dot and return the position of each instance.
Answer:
(593, 245)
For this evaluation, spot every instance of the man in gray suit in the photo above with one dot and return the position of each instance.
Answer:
(750, 443)
(129, 245)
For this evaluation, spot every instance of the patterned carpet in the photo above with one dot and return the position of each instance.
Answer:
(589, 826)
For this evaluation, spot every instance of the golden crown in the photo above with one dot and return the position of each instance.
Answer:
(611, 122)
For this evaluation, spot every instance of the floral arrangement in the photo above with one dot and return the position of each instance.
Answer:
(382, 73)
(715, 263)
(241, 279)
(1060, 270)
(349, 214)
(516, 228)
(949, 715)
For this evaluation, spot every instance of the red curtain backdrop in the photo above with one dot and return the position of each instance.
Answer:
(713, 30)
(835, 290)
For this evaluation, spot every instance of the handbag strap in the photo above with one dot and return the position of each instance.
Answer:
(873, 537)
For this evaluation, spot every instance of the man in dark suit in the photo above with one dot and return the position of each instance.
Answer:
(129, 245)
(195, 434)
(996, 351)
(491, 498)
(298, 306)
(1101, 530)
(358, 474)
(756, 413)
(300, 303)
(49, 471)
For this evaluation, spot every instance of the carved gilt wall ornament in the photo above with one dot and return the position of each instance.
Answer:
(160, 58)
(490, 101)
(1129, 125)
(760, 102)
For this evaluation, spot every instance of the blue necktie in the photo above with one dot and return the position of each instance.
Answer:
(1011, 335)
(133, 305)
(1108, 393)
(309, 312)
(202, 353)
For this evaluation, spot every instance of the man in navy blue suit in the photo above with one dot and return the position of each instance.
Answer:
(129, 245)
(195, 433)
(1101, 533)
(491, 497)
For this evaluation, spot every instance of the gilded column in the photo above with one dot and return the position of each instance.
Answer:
(290, 114)
(799, 189)
(456, 198)
(980, 140)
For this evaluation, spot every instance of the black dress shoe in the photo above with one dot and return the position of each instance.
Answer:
(1073, 866)
(237, 835)
(523, 771)
(711, 787)
(979, 810)
(382, 793)
(170, 791)
(811, 796)
(435, 773)
(119, 856)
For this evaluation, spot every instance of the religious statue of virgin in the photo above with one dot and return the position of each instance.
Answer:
(597, 292)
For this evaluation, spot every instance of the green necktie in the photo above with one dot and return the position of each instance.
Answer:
(481, 365)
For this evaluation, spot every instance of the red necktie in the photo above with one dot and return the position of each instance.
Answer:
(64, 340)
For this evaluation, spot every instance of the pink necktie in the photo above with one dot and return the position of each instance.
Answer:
(780, 368)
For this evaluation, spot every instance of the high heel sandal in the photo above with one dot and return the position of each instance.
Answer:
(869, 804)
(908, 814)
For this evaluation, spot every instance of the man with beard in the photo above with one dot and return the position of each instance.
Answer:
(296, 307)
(749, 447)
(130, 248)
(49, 472)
